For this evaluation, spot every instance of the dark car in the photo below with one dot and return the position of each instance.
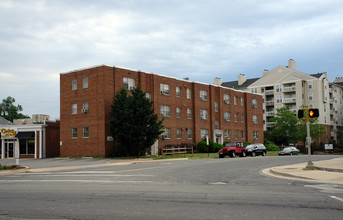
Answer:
(289, 151)
(256, 149)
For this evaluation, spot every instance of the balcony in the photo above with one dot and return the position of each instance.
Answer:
(289, 89)
(289, 100)
(270, 124)
(269, 92)
(332, 134)
(270, 114)
(270, 103)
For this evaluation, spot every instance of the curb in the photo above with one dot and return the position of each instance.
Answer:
(272, 170)
(329, 169)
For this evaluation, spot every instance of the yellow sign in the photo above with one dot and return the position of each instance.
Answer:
(8, 133)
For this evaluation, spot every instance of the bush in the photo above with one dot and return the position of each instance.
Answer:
(271, 146)
(212, 148)
(246, 144)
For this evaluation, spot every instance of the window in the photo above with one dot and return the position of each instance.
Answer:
(74, 109)
(178, 112)
(309, 83)
(254, 119)
(236, 116)
(335, 99)
(235, 100)
(85, 82)
(165, 110)
(164, 89)
(254, 90)
(203, 133)
(254, 103)
(324, 108)
(310, 96)
(236, 134)
(189, 93)
(226, 99)
(203, 114)
(178, 92)
(129, 83)
(203, 95)
(178, 133)
(216, 124)
(279, 99)
(85, 132)
(166, 133)
(227, 116)
(278, 88)
(85, 107)
(148, 96)
(26, 146)
(74, 84)
(189, 133)
(242, 101)
(242, 118)
(189, 113)
(216, 106)
(74, 132)
(227, 134)
(242, 135)
(255, 135)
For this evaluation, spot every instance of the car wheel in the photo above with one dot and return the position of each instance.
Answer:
(221, 155)
(263, 153)
(253, 154)
(243, 154)
(233, 154)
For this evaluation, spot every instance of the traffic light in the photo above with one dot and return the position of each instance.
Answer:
(313, 113)
(300, 113)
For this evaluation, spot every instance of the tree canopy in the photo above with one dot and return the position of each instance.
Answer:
(133, 125)
(9, 111)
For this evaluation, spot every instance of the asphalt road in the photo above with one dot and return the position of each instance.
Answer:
(229, 188)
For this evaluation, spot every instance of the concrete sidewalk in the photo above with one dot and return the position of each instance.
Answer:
(65, 164)
(326, 171)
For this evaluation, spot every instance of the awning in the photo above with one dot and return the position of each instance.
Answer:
(25, 135)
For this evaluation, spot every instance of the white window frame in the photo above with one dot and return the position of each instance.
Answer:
(74, 133)
(203, 133)
(189, 93)
(203, 95)
(189, 113)
(203, 114)
(255, 119)
(178, 112)
(254, 103)
(85, 132)
(74, 84)
(178, 133)
(216, 107)
(310, 96)
(164, 89)
(227, 134)
(165, 110)
(178, 91)
(310, 84)
(129, 83)
(226, 98)
(85, 82)
(166, 133)
(189, 133)
(74, 109)
(242, 101)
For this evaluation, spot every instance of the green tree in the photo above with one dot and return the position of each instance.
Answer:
(284, 130)
(316, 130)
(133, 124)
(9, 111)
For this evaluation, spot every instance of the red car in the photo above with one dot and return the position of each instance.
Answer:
(233, 149)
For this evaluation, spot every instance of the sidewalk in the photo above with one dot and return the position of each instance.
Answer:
(327, 171)
(65, 164)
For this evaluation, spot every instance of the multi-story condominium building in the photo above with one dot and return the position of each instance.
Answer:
(285, 86)
(190, 110)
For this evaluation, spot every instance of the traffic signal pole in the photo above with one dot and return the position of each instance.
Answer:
(308, 142)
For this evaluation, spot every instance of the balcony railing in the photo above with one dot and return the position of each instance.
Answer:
(289, 100)
(270, 114)
(269, 103)
(269, 92)
(270, 124)
(289, 89)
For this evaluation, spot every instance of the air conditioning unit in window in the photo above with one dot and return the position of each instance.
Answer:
(226, 101)
(203, 117)
(226, 119)
(164, 137)
(84, 110)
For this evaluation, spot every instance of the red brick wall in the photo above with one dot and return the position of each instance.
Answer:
(104, 81)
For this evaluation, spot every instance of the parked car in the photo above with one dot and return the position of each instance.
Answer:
(256, 149)
(233, 149)
(289, 151)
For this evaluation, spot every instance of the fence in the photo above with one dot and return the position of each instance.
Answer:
(176, 149)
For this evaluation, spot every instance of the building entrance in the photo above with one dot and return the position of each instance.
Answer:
(9, 149)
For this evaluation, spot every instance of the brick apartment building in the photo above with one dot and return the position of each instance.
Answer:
(191, 110)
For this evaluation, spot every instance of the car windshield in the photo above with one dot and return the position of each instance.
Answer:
(287, 149)
(230, 144)
(250, 146)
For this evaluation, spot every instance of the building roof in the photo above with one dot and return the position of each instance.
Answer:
(317, 75)
(4, 121)
(234, 84)
(339, 83)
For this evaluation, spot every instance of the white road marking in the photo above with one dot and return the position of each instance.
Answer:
(218, 183)
(337, 198)
(78, 181)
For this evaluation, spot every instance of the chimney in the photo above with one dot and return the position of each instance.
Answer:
(265, 72)
(217, 81)
(291, 64)
(241, 79)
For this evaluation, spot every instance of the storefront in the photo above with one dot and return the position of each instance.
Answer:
(23, 141)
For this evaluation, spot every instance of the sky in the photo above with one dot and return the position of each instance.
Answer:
(199, 39)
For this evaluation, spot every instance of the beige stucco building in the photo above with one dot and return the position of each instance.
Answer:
(285, 86)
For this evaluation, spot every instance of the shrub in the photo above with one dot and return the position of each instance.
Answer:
(271, 146)
(212, 148)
